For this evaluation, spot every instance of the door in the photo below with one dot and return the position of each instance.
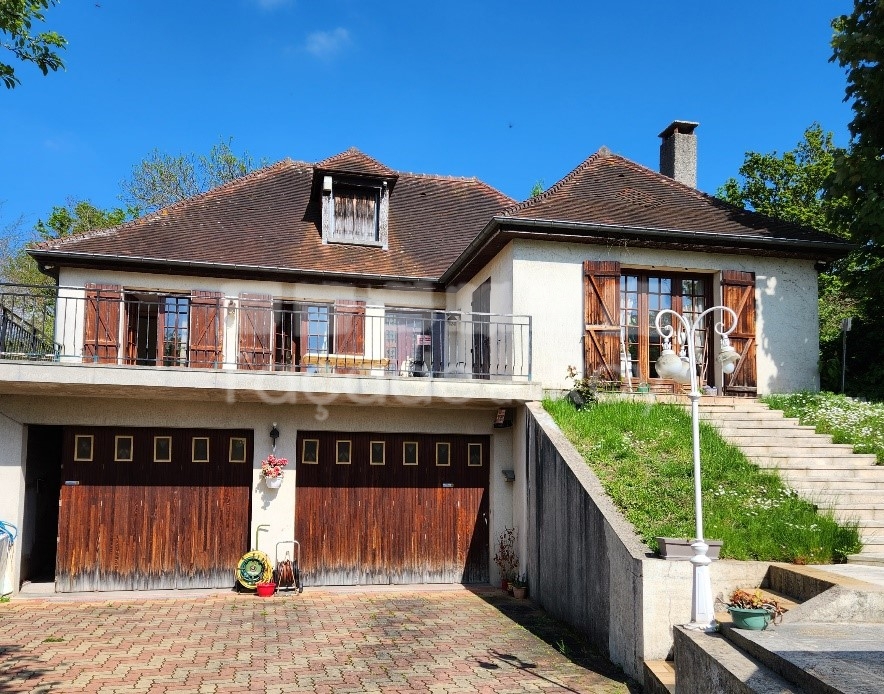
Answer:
(392, 508)
(481, 306)
(148, 508)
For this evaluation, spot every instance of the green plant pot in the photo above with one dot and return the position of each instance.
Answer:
(755, 619)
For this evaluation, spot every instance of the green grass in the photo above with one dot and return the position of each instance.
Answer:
(848, 420)
(642, 454)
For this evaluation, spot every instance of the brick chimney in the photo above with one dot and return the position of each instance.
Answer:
(678, 152)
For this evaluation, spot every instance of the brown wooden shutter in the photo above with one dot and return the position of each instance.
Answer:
(101, 331)
(738, 293)
(206, 329)
(255, 331)
(601, 308)
(349, 333)
(349, 327)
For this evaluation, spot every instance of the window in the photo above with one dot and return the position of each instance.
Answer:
(237, 450)
(343, 449)
(310, 452)
(199, 449)
(642, 297)
(443, 454)
(122, 449)
(378, 452)
(83, 445)
(157, 329)
(409, 453)
(354, 211)
(474, 455)
(162, 449)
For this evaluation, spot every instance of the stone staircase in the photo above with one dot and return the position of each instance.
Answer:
(829, 475)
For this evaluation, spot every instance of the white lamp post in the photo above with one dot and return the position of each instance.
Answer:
(669, 365)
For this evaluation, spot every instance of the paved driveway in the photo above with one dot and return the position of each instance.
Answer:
(446, 640)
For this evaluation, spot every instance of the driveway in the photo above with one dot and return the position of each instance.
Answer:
(444, 640)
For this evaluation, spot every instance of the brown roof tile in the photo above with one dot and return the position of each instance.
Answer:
(271, 219)
(355, 162)
(607, 189)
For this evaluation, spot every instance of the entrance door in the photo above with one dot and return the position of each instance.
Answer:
(42, 479)
(152, 508)
(392, 508)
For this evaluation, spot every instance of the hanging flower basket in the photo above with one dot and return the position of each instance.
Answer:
(272, 471)
(273, 482)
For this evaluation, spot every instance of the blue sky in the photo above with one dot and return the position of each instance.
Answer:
(509, 92)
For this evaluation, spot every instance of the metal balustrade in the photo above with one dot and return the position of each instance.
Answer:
(205, 330)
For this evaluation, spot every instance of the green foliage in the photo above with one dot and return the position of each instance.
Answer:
(16, 21)
(848, 420)
(537, 188)
(163, 179)
(17, 267)
(642, 454)
(790, 186)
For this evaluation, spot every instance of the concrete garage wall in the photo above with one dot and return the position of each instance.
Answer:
(587, 567)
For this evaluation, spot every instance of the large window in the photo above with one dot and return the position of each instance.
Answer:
(157, 328)
(642, 297)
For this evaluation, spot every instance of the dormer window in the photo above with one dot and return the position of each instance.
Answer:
(354, 211)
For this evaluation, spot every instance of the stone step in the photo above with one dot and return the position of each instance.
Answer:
(822, 479)
(738, 418)
(659, 677)
(793, 449)
(773, 436)
(867, 559)
(862, 512)
(872, 528)
(815, 487)
(709, 663)
(840, 495)
(854, 461)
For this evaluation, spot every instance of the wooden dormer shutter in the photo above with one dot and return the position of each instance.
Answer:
(255, 331)
(738, 293)
(206, 329)
(601, 308)
(101, 328)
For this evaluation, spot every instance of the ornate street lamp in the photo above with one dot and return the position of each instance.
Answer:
(669, 365)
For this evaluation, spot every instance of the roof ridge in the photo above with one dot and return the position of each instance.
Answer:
(602, 153)
(163, 211)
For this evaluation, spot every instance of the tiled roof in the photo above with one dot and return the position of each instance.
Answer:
(355, 162)
(610, 190)
(271, 219)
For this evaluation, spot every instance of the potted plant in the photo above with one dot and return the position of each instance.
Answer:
(272, 471)
(520, 587)
(505, 557)
(752, 610)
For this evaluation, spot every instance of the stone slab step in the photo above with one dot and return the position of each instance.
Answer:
(863, 469)
(659, 677)
(817, 657)
(794, 448)
(863, 512)
(774, 436)
(811, 482)
(710, 663)
(867, 559)
(848, 493)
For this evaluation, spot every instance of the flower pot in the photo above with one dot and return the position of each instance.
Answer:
(265, 590)
(520, 593)
(273, 482)
(504, 585)
(755, 619)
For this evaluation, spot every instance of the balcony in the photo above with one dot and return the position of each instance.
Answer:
(105, 338)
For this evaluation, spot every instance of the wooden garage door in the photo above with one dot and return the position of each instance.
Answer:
(172, 514)
(399, 509)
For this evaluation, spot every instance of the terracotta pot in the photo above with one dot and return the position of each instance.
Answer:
(520, 593)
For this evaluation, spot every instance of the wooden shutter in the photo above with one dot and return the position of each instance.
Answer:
(255, 331)
(101, 331)
(350, 333)
(738, 293)
(206, 329)
(601, 308)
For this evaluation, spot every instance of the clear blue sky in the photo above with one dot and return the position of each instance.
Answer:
(509, 92)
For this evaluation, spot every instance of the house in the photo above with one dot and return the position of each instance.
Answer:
(387, 329)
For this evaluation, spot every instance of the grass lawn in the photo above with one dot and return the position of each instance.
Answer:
(846, 419)
(643, 456)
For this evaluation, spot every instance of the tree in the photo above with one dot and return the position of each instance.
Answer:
(858, 46)
(77, 216)
(790, 186)
(163, 179)
(16, 20)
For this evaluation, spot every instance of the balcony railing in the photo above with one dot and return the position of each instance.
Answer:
(103, 324)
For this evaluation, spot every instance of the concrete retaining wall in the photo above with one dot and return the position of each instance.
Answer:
(587, 567)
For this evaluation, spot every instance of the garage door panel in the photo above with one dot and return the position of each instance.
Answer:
(392, 522)
(153, 523)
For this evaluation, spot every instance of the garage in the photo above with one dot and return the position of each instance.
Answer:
(382, 508)
(149, 508)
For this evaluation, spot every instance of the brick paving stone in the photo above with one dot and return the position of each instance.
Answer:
(447, 641)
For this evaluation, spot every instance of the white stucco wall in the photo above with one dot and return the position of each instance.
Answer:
(275, 508)
(547, 280)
